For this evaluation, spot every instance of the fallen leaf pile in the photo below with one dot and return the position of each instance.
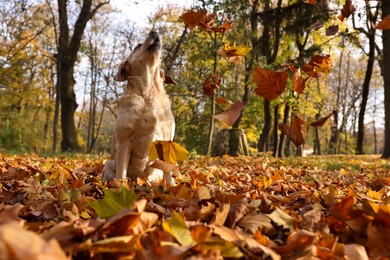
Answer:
(310, 208)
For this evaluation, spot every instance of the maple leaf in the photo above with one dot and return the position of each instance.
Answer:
(270, 84)
(322, 120)
(223, 28)
(209, 88)
(299, 82)
(295, 132)
(384, 24)
(230, 116)
(348, 9)
(193, 19)
(167, 151)
(229, 51)
(318, 65)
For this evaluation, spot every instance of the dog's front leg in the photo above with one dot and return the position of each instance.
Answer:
(123, 153)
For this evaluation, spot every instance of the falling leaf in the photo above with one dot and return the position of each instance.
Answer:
(167, 151)
(223, 28)
(299, 82)
(230, 116)
(209, 88)
(295, 132)
(270, 84)
(384, 24)
(221, 101)
(310, 2)
(318, 65)
(232, 51)
(114, 201)
(348, 9)
(193, 19)
(320, 122)
(332, 30)
(178, 229)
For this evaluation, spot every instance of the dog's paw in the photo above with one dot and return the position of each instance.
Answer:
(108, 171)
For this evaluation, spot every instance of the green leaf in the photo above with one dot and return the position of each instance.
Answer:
(114, 201)
(178, 229)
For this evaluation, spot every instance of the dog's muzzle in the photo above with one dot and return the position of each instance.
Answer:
(155, 40)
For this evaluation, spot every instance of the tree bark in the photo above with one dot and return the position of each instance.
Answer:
(68, 47)
(366, 88)
(232, 142)
(261, 146)
(370, 33)
(386, 79)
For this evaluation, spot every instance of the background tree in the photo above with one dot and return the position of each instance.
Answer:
(68, 47)
(386, 78)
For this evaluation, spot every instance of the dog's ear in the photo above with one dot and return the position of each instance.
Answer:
(122, 72)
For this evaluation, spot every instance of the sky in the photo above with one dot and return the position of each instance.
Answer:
(139, 10)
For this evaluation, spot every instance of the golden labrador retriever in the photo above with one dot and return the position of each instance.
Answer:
(144, 112)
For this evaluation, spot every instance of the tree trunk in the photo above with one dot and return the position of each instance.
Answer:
(261, 146)
(366, 88)
(281, 148)
(232, 142)
(212, 105)
(386, 79)
(68, 48)
(275, 131)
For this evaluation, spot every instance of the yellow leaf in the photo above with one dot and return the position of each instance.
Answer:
(167, 151)
(232, 51)
(374, 194)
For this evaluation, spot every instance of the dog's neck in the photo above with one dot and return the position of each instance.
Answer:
(147, 88)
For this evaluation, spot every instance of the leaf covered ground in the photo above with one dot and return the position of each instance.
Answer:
(329, 207)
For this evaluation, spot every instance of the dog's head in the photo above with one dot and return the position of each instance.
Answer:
(143, 61)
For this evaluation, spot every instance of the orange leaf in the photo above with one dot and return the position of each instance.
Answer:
(270, 84)
(310, 2)
(223, 28)
(322, 120)
(193, 19)
(221, 100)
(208, 21)
(317, 65)
(230, 116)
(384, 24)
(232, 51)
(348, 9)
(209, 87)
(299, 82)
(295, 132)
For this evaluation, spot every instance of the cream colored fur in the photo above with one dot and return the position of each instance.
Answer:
(144, 113)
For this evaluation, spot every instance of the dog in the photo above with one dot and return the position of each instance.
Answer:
(144, 113)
